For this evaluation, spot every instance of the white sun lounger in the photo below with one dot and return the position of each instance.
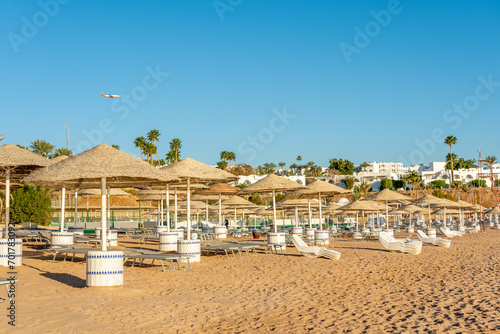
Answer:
(314, 251)
(449, 233)
(433, 241)
(400, 245)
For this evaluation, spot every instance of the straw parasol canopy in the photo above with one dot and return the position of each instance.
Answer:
(238, 201)
(218, 188)
(271, 184)
(387, 195)
(19, 162)
(15, 164)
(101, 165)
(362, 205)
(494, 210)
(428, 200)
(97, 192)
(197, 205)
(198, 172)
(407, 209)
(86, 170)
(443, 211)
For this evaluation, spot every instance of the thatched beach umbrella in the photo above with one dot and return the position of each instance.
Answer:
(206, 197)
(219, 189)
(191, 170)
(318, 188)
(272, 184)
(238, 202)
(387, 195)
(362, 205)
(15, 164)
(101, 165)
(428, 200)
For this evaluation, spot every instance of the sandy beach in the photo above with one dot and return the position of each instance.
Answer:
(454, 290)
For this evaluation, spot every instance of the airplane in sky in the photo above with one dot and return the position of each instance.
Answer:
(109, 95)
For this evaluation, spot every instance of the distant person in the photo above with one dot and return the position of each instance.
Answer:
(226, 223)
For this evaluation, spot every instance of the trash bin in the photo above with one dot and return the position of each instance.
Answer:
(256, 234)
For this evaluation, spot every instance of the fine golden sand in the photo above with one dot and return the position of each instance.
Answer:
(369, 290)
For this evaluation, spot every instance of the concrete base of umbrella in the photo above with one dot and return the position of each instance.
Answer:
(322, 236)
(431, 232)
(297, 230)
(168, 241)
(220, 231)
(76, 230)
(277, 239)
(11, 252)
(160, 229)
(104, 268)
(61, 239)
(112, 236)
(410, 230)
(310, 231)
(191, 248)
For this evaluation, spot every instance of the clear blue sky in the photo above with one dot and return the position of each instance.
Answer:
(368, 96)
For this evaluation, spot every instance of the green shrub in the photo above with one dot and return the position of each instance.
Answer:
(385, 184)
(398, 184)
(439, 183)
(475, 183)
(31, 204)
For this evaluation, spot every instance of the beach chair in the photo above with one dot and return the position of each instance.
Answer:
(449, 233)
(314, 251)
(154, 256)
(433, 241)
(400, 245)
(6, 282)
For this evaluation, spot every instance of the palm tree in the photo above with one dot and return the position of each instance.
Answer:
(415, 180)
(269, 167)
(222, 164)
(224, 155)
(282, 165)
(116, 146)
(153, 136)
(62, 151)
(363, 188)
(149, 150)
(41, 147)
(175, 147)
(451, 140)
(139, 142)
(170, 156)
(299, 159)
(231, 157)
